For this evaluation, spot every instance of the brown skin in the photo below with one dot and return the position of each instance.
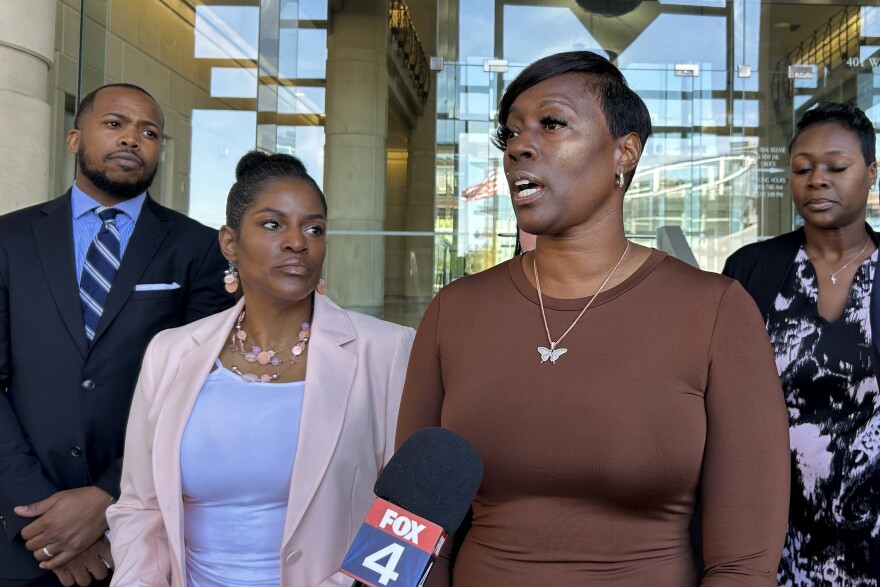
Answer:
(829, 187)
(122, 136)
(526, 241)
(279, 251)
(67, 523)
(87, 566)
(562, 144)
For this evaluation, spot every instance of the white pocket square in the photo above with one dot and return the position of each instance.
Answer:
(156, 286)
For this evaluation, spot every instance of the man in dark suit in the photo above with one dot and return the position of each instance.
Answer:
(86, 280)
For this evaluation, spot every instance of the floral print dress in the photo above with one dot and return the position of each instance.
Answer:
(833, 403)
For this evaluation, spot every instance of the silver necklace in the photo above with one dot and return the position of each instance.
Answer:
(815, 257)
(555, 351)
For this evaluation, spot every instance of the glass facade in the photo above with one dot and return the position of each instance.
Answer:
(416, 194)
(724, 81)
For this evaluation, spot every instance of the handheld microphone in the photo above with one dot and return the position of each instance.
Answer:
(423, 494)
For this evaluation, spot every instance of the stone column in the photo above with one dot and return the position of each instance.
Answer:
(420, 210)
(422, 181)
(354, 173)
(27, 43)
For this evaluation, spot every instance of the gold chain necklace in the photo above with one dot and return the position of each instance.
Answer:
(553, 353)
(815, 257)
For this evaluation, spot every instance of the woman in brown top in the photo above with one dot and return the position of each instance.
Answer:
(607, 386)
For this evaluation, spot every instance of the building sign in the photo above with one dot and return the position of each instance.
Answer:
(859, 62)
(801, 71)
(687, 70)
(772, 176)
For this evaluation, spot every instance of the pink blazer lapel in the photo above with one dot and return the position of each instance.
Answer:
(329, 378)
(197, 355)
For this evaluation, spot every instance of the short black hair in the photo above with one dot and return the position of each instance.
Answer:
(256, 170)
(849, 116)
(624, 110)
(86, 103)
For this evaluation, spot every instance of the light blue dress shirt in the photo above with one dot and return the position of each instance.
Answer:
(86, 223)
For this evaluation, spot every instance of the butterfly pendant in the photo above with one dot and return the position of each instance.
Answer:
(552, 353)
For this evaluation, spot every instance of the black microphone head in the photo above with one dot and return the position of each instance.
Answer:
(434, 474)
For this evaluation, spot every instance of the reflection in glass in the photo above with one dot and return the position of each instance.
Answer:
(233, 82)
(307, 143)
(485, 220)
(476, 99)
(746, 113)
(799, 101)
(303, 53)
(301, 100)
(808, 82)
(691, 175)
(746, 41)
(870, 21)
(219, 139)
(712, 3)
(477, 39)
(668, 111)
(710, 113)
(656, 77)
(532, 32)
(679, 38)
(227, 32)
(304, 9)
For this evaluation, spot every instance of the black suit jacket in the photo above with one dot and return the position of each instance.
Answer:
(64, 403)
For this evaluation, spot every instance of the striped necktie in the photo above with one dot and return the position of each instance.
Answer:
(99, 269)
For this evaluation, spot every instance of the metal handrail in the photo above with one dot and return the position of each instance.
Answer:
(409, 48)
(831, 45)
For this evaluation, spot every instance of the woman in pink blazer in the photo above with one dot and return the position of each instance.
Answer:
(256, 434)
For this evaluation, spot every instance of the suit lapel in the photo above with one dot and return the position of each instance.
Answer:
(149, 232)
(329, 376)
(53, 236)
(197, 354)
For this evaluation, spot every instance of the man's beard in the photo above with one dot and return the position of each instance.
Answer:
(121, 189)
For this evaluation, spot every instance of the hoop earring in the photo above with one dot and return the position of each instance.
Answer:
(230, 279)
(620, 180)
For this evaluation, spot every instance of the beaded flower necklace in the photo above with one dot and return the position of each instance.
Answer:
(268, 356)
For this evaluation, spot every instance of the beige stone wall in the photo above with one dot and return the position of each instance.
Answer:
(145, 42)
(26, 36)
(396, 204)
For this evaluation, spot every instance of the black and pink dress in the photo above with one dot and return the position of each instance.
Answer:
(833, 402)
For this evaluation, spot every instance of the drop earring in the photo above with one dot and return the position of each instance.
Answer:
(230, 278)
(321, 288)
(620, 180)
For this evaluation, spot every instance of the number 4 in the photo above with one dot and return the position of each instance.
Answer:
(386, 572)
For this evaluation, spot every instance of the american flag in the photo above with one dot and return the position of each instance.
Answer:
(485, 189)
